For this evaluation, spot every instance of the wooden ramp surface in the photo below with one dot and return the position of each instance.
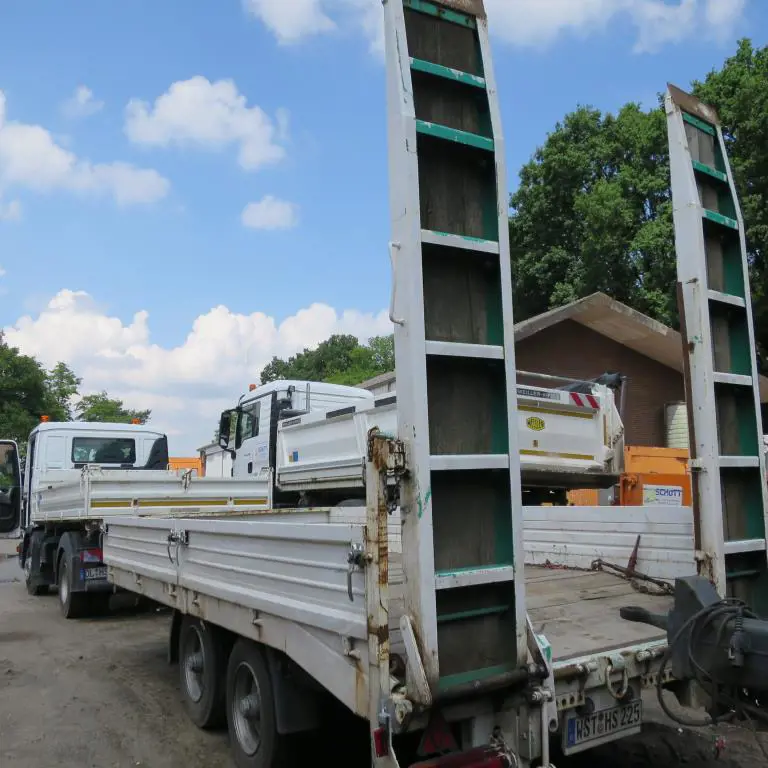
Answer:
(577, 611)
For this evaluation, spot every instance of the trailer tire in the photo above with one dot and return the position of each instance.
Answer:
(202, 672)
(73, 604)
(35, 587)
(251, 719)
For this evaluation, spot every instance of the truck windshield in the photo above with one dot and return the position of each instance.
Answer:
(103, 450)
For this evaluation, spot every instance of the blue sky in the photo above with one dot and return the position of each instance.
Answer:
(277, 100)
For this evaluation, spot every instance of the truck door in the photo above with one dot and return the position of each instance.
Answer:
(10, 488)
(252, 440)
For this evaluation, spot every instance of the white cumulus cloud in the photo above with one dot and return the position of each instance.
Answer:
(291, 22)
(188, 385)
(270, 213)
(81, 103)
(520, 22)
(206, 115)
(31, 159)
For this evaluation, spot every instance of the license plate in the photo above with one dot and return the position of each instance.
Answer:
(603, 725)
(91, 574)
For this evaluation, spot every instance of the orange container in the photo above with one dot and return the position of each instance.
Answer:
(587, 497)
(641, 460)
(196, 465)
(655, 489)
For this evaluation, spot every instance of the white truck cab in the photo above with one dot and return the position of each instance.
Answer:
(250, 430)
(57, 450)
(64, 550)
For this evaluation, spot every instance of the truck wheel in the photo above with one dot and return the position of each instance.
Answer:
(251, 719)
(72, 604)
(32, 567)
(201, 672)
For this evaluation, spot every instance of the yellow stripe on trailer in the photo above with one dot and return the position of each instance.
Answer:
(111, 503)
(155, 503)
(555, 412)
(556, 455)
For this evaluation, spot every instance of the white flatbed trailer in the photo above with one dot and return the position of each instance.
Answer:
(284, 581)
(467, 625)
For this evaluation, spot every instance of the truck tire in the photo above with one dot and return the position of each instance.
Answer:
(251, 720)
(35, 586)
(202, 671)
(73, 604)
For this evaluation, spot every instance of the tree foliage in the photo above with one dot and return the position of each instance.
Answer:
(341, 359)
(28, 392)
(739, 92)
(102, 408)
(593, 211)
(62, 385)
(23, 393)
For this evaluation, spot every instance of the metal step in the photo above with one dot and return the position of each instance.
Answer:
(456, 75)
(462, 242)
(462, 550)
(721, 369)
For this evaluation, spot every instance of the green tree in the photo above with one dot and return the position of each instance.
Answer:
(341, 359)
(739, 92)
(23, 393)
(102, 408)
(593, 213)
(383, 348)
(62, 385)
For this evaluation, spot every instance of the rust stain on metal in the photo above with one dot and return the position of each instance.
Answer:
(571, 672)
(361, 688)
(383, 544)
(380, 453)
(475, 7)
(382, 632)
(692, 105)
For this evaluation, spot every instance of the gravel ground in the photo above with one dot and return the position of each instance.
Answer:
(99, 693)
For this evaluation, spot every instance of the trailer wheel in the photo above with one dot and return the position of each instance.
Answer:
(201, 672)
(32, 566)
(251, 719)
(72, 604)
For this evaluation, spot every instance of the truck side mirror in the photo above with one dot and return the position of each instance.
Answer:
(225, 428)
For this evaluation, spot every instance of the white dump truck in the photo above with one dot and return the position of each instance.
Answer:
(60, 544)
(306, 442)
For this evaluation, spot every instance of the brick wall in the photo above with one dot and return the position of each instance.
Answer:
(571, 349)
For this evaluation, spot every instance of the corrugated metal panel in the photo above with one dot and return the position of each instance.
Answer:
(576, 536)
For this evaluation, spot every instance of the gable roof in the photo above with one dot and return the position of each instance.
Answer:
(622, 324)
(612, 319)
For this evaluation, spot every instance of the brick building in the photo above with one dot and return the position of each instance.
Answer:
(595, 335)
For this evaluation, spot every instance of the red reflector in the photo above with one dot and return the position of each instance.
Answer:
(483, 757)
(18, 549)
(91, 555)
(381, 742)
(437, 739)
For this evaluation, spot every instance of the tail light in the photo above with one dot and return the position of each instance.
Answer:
(381, 742)
(483, 757)
(91, 555)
